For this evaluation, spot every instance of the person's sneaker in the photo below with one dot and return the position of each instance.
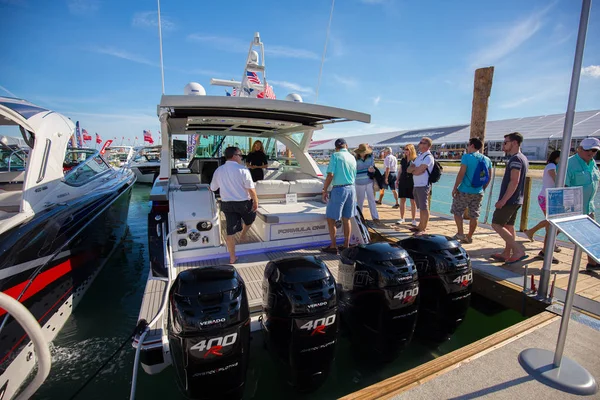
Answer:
(414, 223)
(467, 240)
(377, 202)
(459, 236)
(330, 250)
(541, 255)
(592, 267)
(396, 206)
(557, 249)
(400, 221)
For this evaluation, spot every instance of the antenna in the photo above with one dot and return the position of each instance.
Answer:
(162, 69)
(324, 50)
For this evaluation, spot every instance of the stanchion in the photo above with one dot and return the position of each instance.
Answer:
(552, 368)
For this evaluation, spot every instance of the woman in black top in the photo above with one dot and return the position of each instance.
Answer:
(405, 184)
(256, 160)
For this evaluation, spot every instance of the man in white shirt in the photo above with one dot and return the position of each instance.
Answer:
(391, 166)
(421, 168)
(238, 197)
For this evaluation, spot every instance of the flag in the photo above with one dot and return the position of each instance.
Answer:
(148, 137)
(86, 136)
(227, 93)
(267, 94)
(98, 139)
(106, 145)
(78, 135)
(252, 77)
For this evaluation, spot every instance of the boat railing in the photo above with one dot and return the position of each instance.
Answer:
(168, 263)
(42, 351)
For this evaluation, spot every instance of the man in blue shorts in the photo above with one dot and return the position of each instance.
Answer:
(341, 173)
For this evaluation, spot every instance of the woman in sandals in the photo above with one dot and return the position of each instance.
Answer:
(365, 170)
(405, 184)
(548, 179)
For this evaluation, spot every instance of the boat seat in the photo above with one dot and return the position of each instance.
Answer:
(272, 189)
(304, 187)
(186, 182)
(10, 199)
(304, 211)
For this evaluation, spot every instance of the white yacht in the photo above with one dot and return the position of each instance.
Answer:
(146, 163)
(186, 228)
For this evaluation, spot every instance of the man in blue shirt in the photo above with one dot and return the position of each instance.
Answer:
(466, 193)
(583, 171)
(341, 173)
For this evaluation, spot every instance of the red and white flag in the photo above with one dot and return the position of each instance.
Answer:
(86, 136)
(148, 137)
(98, 139)
(267, 94)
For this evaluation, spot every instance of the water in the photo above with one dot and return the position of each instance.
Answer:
(108, 313)
(442, 200)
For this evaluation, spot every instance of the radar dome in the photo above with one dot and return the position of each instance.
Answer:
(254, 57)
(194, 89)
(294, 97)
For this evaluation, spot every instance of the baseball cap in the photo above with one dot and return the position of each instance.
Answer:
(340, 142)
(590, 143)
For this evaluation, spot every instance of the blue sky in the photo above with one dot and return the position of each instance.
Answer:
(410, 64)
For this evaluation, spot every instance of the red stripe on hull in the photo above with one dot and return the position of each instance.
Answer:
(39, 282)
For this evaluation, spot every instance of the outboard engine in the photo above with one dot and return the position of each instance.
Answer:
(445, 280)
(378, 292)
(209, 332)
(300, 318)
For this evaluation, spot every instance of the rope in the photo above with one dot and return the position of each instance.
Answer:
(324, 50)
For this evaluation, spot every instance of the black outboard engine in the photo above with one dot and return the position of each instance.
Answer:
(300, 318)
(445, 279)
(209, 332)
(378, 292)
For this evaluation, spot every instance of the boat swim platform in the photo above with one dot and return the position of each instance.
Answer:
(503, 278)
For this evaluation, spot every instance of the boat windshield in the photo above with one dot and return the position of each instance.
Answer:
(82, 165)
(12, 158)
(214, 146)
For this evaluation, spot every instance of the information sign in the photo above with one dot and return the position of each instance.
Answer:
(564, 202)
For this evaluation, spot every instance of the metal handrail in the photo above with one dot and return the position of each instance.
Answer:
(31, 326)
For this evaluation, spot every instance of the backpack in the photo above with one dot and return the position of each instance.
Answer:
(436, 172)
(481, 175)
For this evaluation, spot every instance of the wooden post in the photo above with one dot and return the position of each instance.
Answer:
(482, 87)
(525, 208)
(481, 93)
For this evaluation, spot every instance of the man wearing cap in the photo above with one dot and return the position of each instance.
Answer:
(341, 174)
(583, 171)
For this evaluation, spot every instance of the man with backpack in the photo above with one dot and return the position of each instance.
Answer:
(425, 171)
(471, 181)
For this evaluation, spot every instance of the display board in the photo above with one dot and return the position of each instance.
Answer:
(564, 202)
(583, 231)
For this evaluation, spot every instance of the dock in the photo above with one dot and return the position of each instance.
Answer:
(489, 367)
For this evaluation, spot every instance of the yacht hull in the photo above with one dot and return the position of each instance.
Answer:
(49, 262)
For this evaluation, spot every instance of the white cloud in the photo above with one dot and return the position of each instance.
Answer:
(8, 91)
(510, 39)
(344, 81)
(591, 71)
(293, 87)
(83, 7)
(239, 46)
(376, 101)
(290, 52)
(111, 51)
(517, 102)
(149, 19)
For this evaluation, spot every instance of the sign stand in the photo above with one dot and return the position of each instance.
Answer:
(548, 367)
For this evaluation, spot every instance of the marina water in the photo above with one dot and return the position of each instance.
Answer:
(108, 312)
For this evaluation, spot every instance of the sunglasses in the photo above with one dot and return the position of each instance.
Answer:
(237, 154)
(593, 150)
(507, 141)
(423, 143)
